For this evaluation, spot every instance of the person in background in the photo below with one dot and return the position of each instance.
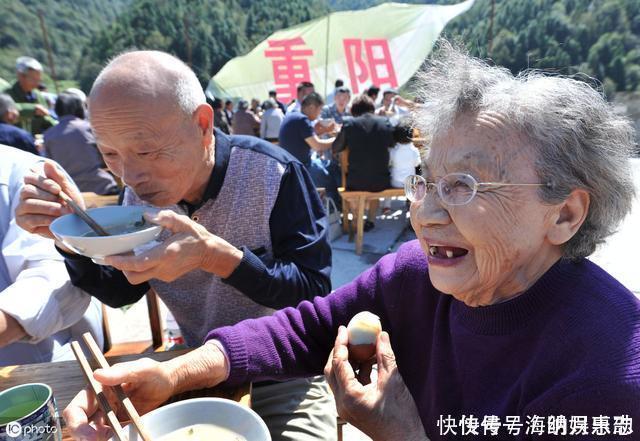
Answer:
(50, 98)
(9, 134)
(219, 118)
(340, 108)
(404, 159)
(372, 92)
(245, 122)
(255, 107)
(41, 312)
(331, 95)
(274, 95)
(271, 121)
(387, 107)
(228, 111)
(368, 138)
(34, 116)
(72, 145)
(303, 89)
(298, 137)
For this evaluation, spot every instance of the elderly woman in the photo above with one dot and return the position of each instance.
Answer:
(495, 316)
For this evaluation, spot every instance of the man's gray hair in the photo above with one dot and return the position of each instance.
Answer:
(578, 140)
(6, 104)
(161, 72)
(23, 64)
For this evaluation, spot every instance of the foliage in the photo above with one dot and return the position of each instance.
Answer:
(70, 25)
(600, 38)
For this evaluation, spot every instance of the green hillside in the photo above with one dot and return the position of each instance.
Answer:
(70, 24)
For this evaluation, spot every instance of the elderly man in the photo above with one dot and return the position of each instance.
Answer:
(495, 324)
(71, 143)
(33, 107)
(41, 312)
(245, 232)
(9, 134)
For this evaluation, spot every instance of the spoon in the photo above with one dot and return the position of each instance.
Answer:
(83, 214)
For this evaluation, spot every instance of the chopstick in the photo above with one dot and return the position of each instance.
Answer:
(128, 405)
(95, 226)
(97, 389)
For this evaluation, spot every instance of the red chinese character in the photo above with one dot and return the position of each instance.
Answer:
(377, 67)
(289, 65)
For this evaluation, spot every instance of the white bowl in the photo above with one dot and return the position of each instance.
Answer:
(219, 411)
(70, 230)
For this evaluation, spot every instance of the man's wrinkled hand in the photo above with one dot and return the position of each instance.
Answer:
(189, 248)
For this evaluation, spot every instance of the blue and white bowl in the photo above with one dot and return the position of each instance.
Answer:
(71, 231)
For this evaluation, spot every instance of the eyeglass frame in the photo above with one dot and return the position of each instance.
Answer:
(475, 187)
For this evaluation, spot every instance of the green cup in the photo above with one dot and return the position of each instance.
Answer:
(28, 412)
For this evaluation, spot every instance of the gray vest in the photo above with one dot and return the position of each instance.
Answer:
(200, 301)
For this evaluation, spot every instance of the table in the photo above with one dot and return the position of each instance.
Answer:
(66, 379)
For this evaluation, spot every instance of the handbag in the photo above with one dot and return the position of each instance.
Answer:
(334, 227)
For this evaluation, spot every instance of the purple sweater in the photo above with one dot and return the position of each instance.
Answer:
(570, 345)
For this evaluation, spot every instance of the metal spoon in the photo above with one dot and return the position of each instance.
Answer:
(83, 215)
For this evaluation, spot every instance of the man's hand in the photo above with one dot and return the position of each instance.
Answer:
(190, 247)
(148, 383)
(10, 330)
(383, 410)
(40, 110)
(39, 201)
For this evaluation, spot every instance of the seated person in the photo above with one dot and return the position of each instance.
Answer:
(495, 311)
(245, 233)
(72, 145)
(41, 312)
(244, 121)
(368, 138)
(9, 134)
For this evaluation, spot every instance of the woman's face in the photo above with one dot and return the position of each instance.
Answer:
(499, 239)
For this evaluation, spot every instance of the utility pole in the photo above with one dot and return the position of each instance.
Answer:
(490, 31)
(48, 48)
(187, 40)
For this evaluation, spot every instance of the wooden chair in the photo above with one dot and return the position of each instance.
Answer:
(358, 200)
(92, 200)
(136, 347)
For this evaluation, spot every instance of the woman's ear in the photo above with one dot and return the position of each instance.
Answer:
(571, 214)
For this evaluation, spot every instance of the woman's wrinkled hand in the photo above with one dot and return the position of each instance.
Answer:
(384, 409)
(146, 382)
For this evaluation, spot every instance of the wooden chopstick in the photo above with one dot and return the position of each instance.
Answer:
(97, 389)
(128, 405)
(95, 226)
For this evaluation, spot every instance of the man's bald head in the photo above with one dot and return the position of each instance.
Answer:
(151, 77)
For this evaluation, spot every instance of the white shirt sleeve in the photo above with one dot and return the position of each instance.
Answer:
(40, 297)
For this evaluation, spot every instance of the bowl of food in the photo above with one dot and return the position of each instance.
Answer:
(202, 419)
(126, 226)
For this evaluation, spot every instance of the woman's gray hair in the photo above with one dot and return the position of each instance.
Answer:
(579, 141)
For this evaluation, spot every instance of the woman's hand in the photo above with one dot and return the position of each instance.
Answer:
(148, 384)
(190, 247)
(384, 410)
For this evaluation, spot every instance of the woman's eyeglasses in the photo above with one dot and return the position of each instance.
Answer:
(453, 189)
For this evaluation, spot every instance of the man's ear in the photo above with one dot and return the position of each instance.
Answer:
(570, 215)
(204, 119)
